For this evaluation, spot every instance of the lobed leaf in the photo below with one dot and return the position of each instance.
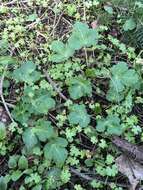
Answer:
(79, 87)
(43, 130)
(111, 124)
(27, 73)
(121, 80)
(78, 115)
(29, 138)
(55, 150)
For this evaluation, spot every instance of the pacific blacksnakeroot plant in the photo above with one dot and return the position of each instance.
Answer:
(50, 146)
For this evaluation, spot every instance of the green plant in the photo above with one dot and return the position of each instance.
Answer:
(79, 115)
(68, 92)
(121, 81)
(55, 150)
(82, 36)
(111, 124)
(79, 87)
(26, 73)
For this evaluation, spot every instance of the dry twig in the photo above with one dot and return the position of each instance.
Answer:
(88, 178)
(53, 84)
(2, 97)
(132, 150)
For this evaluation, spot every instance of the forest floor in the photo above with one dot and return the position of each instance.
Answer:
(71, 94)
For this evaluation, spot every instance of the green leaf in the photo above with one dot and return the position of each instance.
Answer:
(12, 163)
(3, 183)
(111, 124)
(121, 80)
(114, 95)
(62, 51)
(32, 17)
(16, 175)
(37, 187)
(109, 159)
(55, 150)
(108, 9)
(22, 163)
(74, 43)
(42, 104)
(22, 188)
(79, 87)
(115, 128)
(127, 78)
(129, 24)
(37, 101)
(101, 125)
(29, 138)
(65, 175)
(6, 60)
(112, 171)
(54, 173)
(82, 36)
(2, 131)
(90, 73)
(43, 130)
(120, 68)
(53, 178)
(27, 73)
(78, 115)
(58, 46)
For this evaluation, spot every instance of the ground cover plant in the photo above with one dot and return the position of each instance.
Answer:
(71, 95)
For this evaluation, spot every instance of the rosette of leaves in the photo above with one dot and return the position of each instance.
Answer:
(79, 87)
(43, 132)
(122, 80)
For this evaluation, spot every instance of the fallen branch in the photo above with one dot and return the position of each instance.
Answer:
(54, 85)
(129, 149)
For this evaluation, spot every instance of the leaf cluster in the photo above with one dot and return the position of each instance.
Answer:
(82, 36)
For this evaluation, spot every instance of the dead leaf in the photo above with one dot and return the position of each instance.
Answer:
(131, 169)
